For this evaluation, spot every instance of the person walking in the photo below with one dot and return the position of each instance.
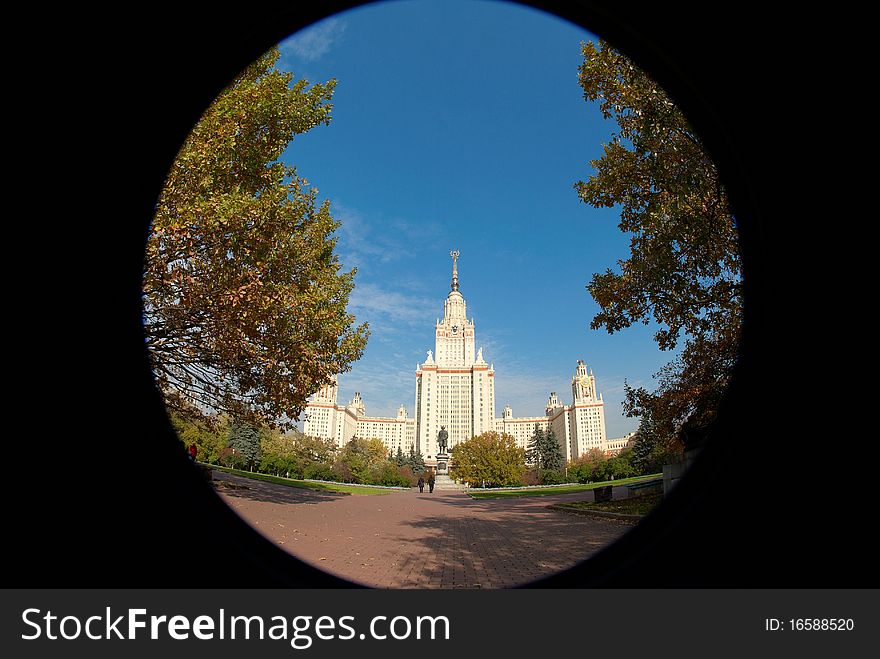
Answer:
(431, 482)
(421, 484)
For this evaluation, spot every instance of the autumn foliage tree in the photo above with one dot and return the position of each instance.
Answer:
(684, 270)
(244, 300)
(491, 457)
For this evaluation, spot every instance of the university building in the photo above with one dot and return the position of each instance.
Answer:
(455, 388)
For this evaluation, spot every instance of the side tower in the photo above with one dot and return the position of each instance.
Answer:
(587, 413)
(321, 412)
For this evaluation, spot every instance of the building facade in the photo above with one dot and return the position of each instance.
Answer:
(326, 419)
(455, 389)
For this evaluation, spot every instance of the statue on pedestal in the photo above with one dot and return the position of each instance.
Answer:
(442, 437)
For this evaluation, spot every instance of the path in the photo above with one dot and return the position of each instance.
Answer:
(411, 540)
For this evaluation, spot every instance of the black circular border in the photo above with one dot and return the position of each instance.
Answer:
(106, 511)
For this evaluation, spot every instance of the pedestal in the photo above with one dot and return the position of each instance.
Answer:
(443, 464)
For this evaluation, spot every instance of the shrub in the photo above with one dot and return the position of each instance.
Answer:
(388, 475)
(407, 472)
(553, 477)
(279, 465)
(531, 477)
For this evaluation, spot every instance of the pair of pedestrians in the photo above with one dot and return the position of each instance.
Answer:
(430, 483)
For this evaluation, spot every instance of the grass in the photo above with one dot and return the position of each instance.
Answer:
(554, 489)
(635, 506)
(309, 485)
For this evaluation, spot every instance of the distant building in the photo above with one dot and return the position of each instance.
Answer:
(328, 420)
(455, 388)
(521, 428)
(578, 427)
(615, 446)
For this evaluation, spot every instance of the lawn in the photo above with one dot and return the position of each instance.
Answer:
(548, 490)
(310, 485)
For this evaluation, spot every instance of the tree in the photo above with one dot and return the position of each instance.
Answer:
(545, 454)
(684, 270)
(244, 439)
(416, 461)
(276, 453)
(208, 434)
(650, 449)
(362, 458)
(491, 457)
(589, 467)
(244, 301)
(594, 466)
(621, 465)
(533, 453)
(309, 449)
(544, 451)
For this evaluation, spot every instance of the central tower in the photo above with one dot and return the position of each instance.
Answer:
(454, 335)
(455, 389)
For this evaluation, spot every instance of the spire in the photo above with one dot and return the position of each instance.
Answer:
(454, 254)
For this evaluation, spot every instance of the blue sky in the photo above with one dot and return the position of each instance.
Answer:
(460, 125)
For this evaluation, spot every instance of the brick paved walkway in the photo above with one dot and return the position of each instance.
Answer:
(411, 540)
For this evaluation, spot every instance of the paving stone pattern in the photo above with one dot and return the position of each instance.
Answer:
(411, 540)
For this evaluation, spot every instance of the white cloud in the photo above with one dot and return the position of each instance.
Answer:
(315, 41)
(391, 308)
(382, 392)
(368, 243)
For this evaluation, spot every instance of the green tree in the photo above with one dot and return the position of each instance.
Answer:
(295, 455)
(684, 270)
(533, 451)
(650, 449)
(621, 466)
(399, 458)
(589, 467)
(278, 455)
(388, 474)
(309, 449)
(319, 471)
(416, 461)
(208, 434)
(362, 459)
(546, 455)
(244, 439)
(491, 457)
(244, 301)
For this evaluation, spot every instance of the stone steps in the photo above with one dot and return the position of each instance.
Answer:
(444, 482)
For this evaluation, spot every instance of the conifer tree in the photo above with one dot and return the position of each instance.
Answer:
(552, 456)
(533, 452)
(245, 440)
(544, 451)
(416, 461)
